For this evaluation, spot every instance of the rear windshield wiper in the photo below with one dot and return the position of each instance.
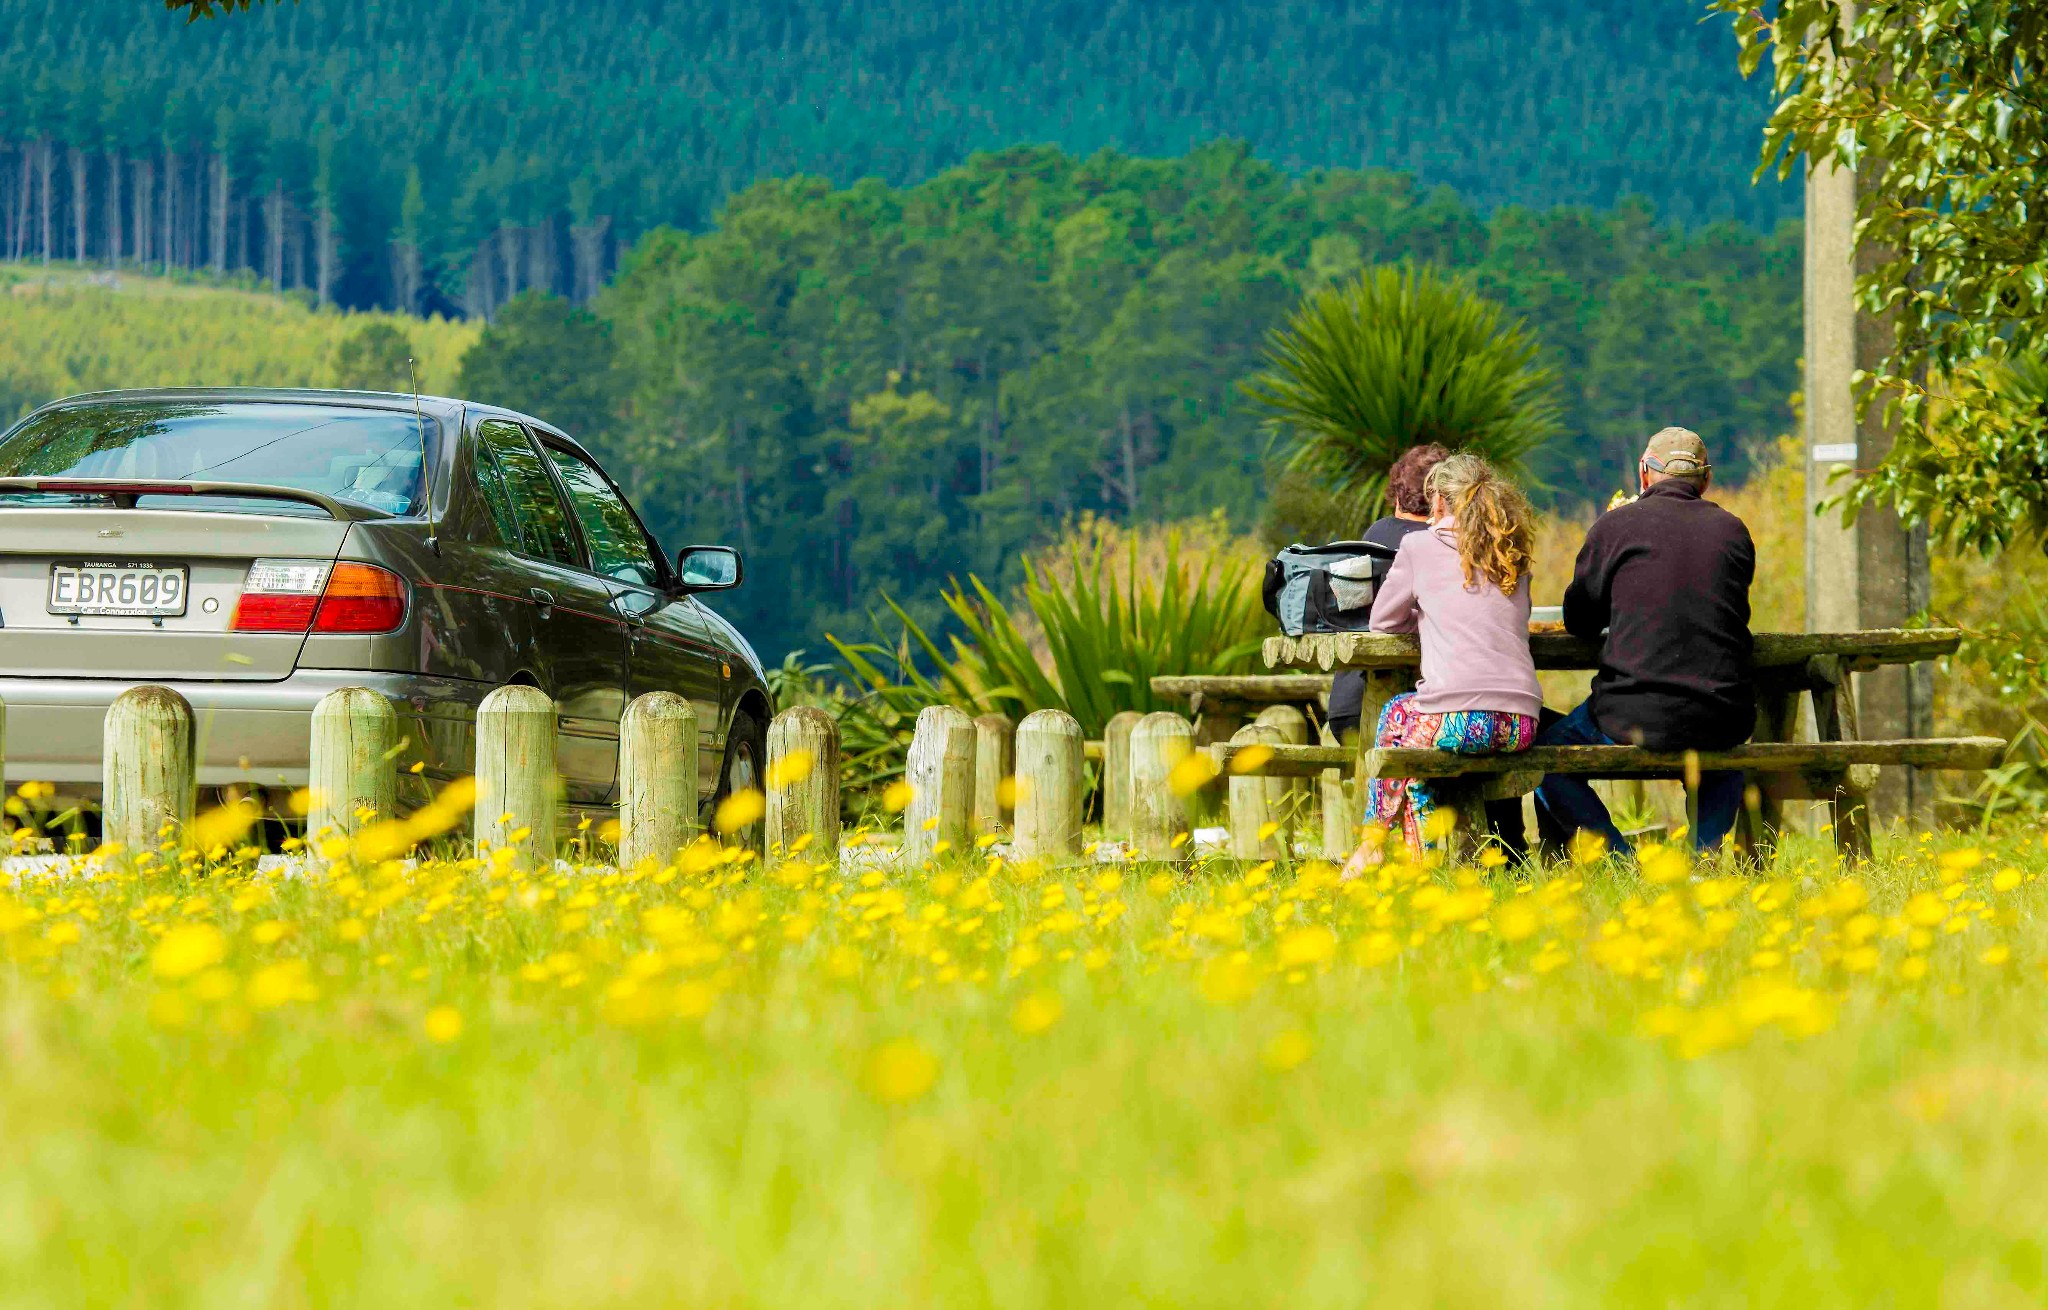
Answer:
(124, 492)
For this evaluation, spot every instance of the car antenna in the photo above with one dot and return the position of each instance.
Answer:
(426, 479)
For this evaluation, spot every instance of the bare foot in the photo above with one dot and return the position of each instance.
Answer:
(1367, 856)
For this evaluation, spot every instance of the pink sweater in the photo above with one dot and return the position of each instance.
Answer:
(1475, 641)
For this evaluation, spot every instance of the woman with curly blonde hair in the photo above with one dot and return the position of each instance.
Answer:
(1463, 584)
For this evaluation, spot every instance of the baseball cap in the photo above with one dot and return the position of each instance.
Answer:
(1677, 451)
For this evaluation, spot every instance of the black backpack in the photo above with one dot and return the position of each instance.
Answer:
(1327, 588)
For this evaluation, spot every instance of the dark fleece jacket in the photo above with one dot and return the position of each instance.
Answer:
(1667, 578)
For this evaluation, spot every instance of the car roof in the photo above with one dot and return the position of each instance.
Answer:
(446, 408)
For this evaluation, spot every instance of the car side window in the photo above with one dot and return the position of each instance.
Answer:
(490, 486)
(616, 542)
(544, 531)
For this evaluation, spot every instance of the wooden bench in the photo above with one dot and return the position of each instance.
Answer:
(1839, 772)
(1221, 704)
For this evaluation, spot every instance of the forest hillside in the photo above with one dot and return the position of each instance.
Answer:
(870, 389)
(451, 155)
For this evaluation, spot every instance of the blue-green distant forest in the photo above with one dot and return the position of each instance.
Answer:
(408, 155)
(887, 292)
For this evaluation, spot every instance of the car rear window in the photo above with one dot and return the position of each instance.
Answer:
(367, 457)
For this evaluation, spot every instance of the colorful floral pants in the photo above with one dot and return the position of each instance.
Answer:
(1404, 804)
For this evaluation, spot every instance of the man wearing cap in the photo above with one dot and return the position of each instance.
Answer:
(1662, 584)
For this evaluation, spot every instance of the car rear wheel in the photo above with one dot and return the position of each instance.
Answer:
(746, 750)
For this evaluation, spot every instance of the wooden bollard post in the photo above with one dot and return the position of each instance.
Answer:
(806, 805)
(1116, 774)
(1287, 796)
(1159, 742)
(657, 778)
(1340, 822)
(1252, 801)
(146, 767)
(353, 771)
(1048, 786)
(995, 760)
(941, 777)
(516, 784)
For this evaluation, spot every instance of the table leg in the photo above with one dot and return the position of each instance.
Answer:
(1763, 810)
(1834, 719)
(1216, 719)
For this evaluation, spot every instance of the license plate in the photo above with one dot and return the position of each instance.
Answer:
(145, 590)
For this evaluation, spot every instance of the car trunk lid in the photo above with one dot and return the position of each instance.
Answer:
(123, 544)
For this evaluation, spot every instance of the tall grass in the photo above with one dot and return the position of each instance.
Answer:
(462, 1083)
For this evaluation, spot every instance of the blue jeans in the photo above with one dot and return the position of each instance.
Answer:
(1569, 805)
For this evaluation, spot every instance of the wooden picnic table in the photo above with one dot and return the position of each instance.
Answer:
(1786, 666)
(1858, 651)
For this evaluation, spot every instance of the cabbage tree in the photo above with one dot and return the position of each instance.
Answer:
(1397, 357)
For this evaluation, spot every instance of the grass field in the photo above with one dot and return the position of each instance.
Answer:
(723, 1084)
(66, 329)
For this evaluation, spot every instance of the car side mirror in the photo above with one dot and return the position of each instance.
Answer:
(708, 568)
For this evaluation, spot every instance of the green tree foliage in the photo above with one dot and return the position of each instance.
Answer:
(1940, 105)
(1399, 357)
(194, 10)
(375, 357)
(872, 389)
(284, 139)
(546, 357)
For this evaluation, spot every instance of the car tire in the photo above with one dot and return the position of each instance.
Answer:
(746, 757)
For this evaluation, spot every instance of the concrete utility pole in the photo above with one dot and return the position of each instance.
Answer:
(1874, 574)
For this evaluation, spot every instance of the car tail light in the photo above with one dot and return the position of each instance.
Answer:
(311, 595)
(361, 598)
(280, 595)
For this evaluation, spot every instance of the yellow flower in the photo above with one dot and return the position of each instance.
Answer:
(187, 949)
(1664, 864)
(2005, 880)
(897, 796)
(1194, 772)
(791, 769)
(1229, 980)
(1288, 1050)
(1250, 760)
(280, 984)
(739, 810)
(1516, 920)
(1996, 955)
(443, 1024)
(1926, 909)
(1956, 864)
(1305, 946)
(1036, 1013)
(900, 1071)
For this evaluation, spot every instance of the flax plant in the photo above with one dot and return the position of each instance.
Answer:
(1104, 623)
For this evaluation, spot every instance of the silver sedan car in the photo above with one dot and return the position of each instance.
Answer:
(256, 549)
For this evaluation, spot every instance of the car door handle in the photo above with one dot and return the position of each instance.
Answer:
(542, 597)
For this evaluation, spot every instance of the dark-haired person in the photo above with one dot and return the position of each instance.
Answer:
(1662, 584)
(1411, 514)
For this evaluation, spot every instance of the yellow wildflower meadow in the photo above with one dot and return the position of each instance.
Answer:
(742, 1081)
